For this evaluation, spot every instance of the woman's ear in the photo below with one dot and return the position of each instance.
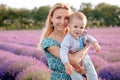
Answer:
(68, 24)
(51, 20)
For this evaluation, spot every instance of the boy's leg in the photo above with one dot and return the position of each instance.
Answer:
(76, 76)
(90, 70)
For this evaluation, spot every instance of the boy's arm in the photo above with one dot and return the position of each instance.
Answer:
(94, 42)
(64, 49)
(96, 46)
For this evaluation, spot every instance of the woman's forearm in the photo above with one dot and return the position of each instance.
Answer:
(81, 53)
(78, 56)
(73, 58)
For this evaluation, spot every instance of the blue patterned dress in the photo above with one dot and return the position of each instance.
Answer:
(55, 64)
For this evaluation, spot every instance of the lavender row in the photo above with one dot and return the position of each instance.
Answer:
(24, 37)
(110, 72)
(22, 67)
(24, 43)
(21, 49)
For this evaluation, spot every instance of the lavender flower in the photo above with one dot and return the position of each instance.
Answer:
(21, 50)
(4, 56)
(111, 72)
(17, 64)
(35, 72)
(24, 42)
(98, 62)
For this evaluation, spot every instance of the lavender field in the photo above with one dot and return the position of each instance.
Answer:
(20, 60)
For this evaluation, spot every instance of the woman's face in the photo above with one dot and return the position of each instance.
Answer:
(60, 19)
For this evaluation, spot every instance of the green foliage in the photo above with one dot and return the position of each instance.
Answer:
(41, 13)
(12, 18)
(108, 13)
(101, 15)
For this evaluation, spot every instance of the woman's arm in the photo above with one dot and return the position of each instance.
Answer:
(78, 56)
(55, 50)
(74, 58)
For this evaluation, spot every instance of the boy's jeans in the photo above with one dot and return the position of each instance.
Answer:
(90, 70)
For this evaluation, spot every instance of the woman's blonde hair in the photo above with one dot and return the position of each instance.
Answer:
(48, 25)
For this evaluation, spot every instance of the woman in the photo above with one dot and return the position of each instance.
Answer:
(55, 30)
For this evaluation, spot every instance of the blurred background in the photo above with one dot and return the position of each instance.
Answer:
(30, 14)
(21, 24)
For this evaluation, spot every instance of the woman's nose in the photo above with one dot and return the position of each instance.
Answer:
(62, 21)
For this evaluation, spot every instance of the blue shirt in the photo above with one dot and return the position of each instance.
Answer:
(71, 45)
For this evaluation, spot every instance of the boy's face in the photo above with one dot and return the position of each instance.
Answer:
(76, 27)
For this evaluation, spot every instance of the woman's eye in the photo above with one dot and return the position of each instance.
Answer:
(58, 17)
(67, 18)
(75, 26)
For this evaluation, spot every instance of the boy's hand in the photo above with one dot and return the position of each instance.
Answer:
(69, 68)
(97, 47)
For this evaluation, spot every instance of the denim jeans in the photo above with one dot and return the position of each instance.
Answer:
(91, 73)
(76, 76)
(90, 70)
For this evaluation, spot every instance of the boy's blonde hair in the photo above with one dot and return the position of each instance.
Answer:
(48, 25)
(78, 15)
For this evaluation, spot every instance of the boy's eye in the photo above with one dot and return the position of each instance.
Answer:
(81, 27)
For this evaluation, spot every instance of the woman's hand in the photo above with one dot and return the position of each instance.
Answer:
(69, 68)
(80, 68)
(76, 58)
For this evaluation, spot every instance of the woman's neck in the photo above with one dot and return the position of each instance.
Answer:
(58, 35)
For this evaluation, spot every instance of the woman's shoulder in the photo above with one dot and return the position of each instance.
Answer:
(47, 42)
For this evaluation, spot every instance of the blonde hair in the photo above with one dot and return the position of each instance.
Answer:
(78, 15)
(48, 25)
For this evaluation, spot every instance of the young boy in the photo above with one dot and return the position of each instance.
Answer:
(74, 41)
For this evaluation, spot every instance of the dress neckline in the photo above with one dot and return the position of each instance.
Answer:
(53, 40)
